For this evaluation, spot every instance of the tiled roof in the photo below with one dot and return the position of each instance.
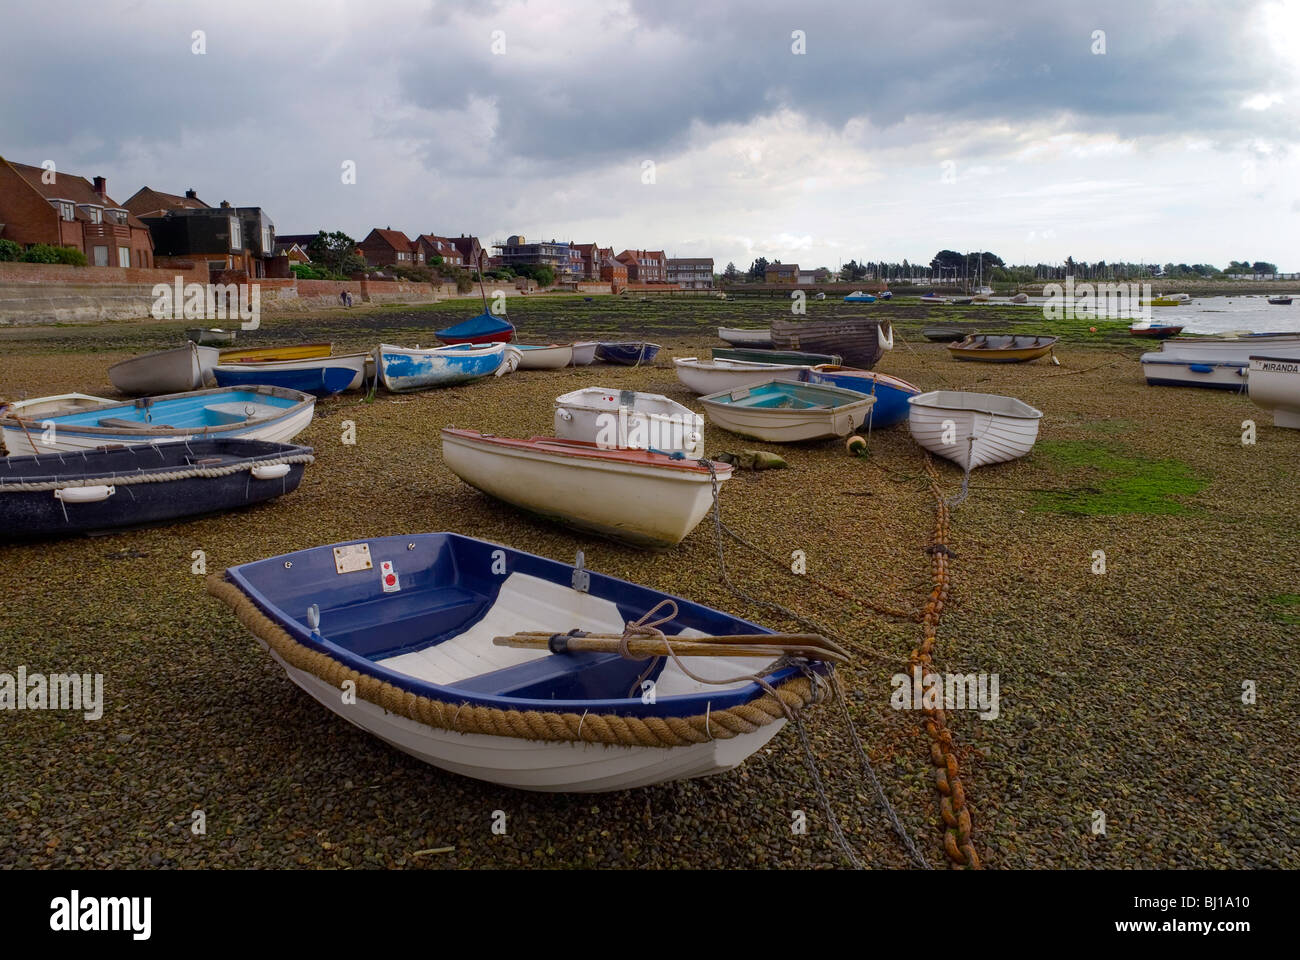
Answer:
(69, 186)
(394, 238)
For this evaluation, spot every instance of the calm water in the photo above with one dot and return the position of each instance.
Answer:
(1222, 314)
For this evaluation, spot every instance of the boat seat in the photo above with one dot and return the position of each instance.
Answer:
(119, 423)
(567, 676)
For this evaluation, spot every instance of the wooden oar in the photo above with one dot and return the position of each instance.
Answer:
(751, 639)
(643, 648)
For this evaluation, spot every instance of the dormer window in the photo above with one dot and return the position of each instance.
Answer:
(93, 214)
(66, 210)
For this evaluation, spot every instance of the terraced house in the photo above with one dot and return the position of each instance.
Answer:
(66, 210)
(645, 266)
(691, 273)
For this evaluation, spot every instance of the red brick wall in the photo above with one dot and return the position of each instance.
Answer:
(52, 273)
(27, 216)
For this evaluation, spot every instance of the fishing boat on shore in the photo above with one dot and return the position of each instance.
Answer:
(988, 428)
(891, 392)
(54, 495)
(280, 354)
(1280, 301)
(934, 298)
(1169, 370)
(584, 353)
(553, 356)
(961, 301)
(38, 407)
(1002, 348)
(787, 411)
(401, 369)
(484, 328)
(447, 664)
(859, 341)
(1019, 298)
(857, 296)
(164, 371)
(712, 376)
(641, 497)
(210, 337)
(794, 358)
(628, 420)
(1274, 384)
(320, 377)
(758, 338)
(250, 413)
(885, 295)
(632, 353)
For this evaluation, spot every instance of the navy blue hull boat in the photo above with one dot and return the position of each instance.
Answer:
(633, 353)
(59, 494)
(508, 667)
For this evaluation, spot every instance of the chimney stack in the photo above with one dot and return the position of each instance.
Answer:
(225, 204)
(190, 194)
(101, 186)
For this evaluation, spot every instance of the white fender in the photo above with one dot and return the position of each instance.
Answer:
(564, 413)
(885, 343)
(270, 471)
(84, 494)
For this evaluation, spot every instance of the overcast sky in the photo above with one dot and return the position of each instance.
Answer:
(902, 129)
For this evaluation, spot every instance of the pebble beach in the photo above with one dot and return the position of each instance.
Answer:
(1122, 692)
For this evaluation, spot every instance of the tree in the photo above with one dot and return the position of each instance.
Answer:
(758, 269)
(336, 252)
(1263, 266)
(730, 273)
(10, 250)
(948, 262)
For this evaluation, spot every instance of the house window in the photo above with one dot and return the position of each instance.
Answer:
(124, 256)
(95, 214)
(67, 212)
(236, 235)
(101, 256)
(267, 247)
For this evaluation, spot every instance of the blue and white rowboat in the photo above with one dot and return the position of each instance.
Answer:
(891, 393)
(402, 369)
(251, 413)
(411, 620)
(629, 353)
(321, 377)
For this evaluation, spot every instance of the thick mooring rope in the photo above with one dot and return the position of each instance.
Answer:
(461, 717)
(126, 479)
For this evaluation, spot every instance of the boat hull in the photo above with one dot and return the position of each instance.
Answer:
(252, 413)
(792, 358)
(38, 407)
(1155, 332)
(781, 411)
(714, 376)
(320, 378)
(1230, 349)
(262, 471)
(1275, 386)
(584, 353)
(891, 393)
(973, 429)
(634, 498)
(1162, 370)
(627, 354)
(553, 357)
(624, 419)
(859, 341)
(210, 337)
(740, 337)
(1015, 348)
(164, 371)
(292, 351)
(484, 328)
(402, 370)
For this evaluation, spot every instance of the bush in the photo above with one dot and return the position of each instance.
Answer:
(10, 251)
(40, 253)
(71, 256)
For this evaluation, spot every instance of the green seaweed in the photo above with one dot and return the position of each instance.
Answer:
(1289, 617)
(1117, 483)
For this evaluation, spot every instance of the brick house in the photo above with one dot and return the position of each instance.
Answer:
(428, 246)
(590, 255)
(782, 273)
(472, 254)
(614, 272)
(229, 239)
(148, 202)
(645, 266)
(691, 273)
(70, 212)
(292, 249)
(385, 247)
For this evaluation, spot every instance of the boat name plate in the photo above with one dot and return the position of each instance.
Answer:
(353, 557)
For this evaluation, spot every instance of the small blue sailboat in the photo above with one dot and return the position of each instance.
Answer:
(859, 297)
(54, 495)
(632, 353)
(490, 662)
(402, 369)
(891, 393)
(253, 413)
(485, 328)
